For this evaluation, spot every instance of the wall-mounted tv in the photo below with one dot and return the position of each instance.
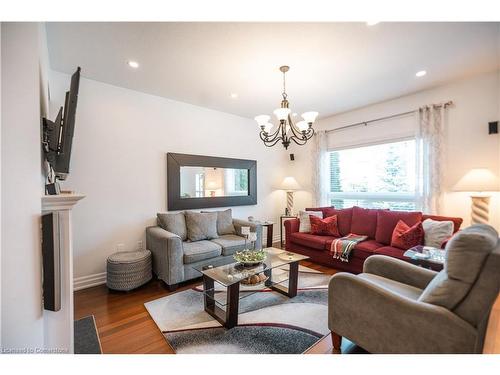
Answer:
(58, 134)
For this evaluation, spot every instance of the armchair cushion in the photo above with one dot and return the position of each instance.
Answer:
(201, 226)
(200, 250)
(398, 270)
(230, 243)
(466, 253)
(174, 223)
(392, 286)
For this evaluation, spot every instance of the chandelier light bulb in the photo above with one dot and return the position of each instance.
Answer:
(268, 127)
(309, 117)
(281, 113)
(303, 126)
(262, 120)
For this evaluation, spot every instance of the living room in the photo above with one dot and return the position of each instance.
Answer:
(250, 187)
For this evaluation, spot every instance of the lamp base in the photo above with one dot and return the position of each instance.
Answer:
(289, 202)
(480, 209)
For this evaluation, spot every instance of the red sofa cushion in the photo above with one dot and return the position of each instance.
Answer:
(457, 221)
(324, 227)
(387, 220)
(327, 211)
(344, 219)
(391, 251)
(364, 221)
(406, 237)
(311, 240)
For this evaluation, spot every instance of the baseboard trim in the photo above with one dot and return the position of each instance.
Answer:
(89, 281)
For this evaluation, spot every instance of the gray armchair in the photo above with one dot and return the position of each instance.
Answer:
(175, 260)
(397, 307)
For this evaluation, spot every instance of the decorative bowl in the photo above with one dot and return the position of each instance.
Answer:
(249, 258)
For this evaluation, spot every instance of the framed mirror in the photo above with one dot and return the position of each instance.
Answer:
(195, 181)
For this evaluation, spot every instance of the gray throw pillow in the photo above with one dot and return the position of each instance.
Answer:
(224, 222)
(201, 225)
(465, 255)
(174, 223)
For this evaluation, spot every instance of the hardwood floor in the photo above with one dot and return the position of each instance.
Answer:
(124, 325)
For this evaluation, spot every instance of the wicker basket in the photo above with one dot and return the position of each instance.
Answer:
(128, 270)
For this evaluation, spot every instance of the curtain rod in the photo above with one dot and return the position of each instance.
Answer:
(365, 123)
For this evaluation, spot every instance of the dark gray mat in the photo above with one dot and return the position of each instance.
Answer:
(251, 339)
(86, 337)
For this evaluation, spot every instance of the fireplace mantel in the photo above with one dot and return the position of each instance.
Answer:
(58, 325)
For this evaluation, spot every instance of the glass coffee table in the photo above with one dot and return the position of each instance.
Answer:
(231, 275)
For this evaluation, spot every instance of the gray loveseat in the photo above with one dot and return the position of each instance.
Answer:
(397, 307)
(184, 240)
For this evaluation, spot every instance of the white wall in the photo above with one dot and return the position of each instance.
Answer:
(467, 143)
(119, 162)
(21, 304)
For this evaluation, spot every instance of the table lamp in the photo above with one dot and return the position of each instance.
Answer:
(479, 182)
(289, 184)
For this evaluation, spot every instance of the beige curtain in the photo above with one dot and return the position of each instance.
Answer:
(321, 171)
(430, 154)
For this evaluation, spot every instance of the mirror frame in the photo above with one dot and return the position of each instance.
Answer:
(176, 161)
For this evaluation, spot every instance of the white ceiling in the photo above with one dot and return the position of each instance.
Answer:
(334, 66)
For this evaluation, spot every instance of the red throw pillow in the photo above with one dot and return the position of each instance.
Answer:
(325, 227)
(406, 237)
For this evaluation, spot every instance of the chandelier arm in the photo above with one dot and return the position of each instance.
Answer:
(299, 141)
(269, 137)
(296, 132)
(269, 144)
(276, 132)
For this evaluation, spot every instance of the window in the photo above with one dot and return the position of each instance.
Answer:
(377, 176)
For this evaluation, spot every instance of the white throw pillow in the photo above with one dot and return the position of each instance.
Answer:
(436, 232)
(305, 221)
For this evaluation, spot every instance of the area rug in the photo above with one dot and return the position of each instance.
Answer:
(268, 322)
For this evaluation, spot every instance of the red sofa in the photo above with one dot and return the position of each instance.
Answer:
(377, 224)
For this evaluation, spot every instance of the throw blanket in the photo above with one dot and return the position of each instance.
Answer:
(341, 247)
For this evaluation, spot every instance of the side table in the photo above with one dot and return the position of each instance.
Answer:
(269, 229)
(425, 256)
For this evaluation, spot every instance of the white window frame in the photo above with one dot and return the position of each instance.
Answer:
(374, 196)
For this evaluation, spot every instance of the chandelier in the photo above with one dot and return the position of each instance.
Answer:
(286, 131)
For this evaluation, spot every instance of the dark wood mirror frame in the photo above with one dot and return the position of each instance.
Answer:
(176, 161)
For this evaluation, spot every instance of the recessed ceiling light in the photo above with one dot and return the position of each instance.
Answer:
(372, 23)
(133, 64)
(421, 73)
(234, 95)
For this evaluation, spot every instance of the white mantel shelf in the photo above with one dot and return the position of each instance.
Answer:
(60, 202)
(58, 325)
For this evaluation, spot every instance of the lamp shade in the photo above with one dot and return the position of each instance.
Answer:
(289, 184)
(262, 120)
(478, 180)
